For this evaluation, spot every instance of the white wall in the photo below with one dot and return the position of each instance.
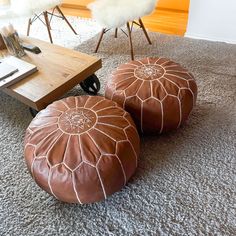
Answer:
(212, 20)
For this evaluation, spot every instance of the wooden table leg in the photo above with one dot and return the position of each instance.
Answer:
(130, 41)
(116, 32)
(144, 31)
(28, 28)
(100, 40)
(48, 25)
(64, 18)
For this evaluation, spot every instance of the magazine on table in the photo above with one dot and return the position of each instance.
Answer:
(13, 69)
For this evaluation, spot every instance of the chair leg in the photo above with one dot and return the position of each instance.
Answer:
(144, 31)
(130, 41)
(116, 32)
(48, 25)
(28, 28)
(100, 39)
(64, 18)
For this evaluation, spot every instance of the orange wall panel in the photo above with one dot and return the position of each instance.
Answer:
(182, 5)
(77, 2)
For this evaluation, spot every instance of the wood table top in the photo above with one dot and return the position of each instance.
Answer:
(59, 70)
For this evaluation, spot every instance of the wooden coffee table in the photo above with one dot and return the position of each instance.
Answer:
(59, 70)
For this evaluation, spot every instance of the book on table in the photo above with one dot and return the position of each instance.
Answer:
(13, 69)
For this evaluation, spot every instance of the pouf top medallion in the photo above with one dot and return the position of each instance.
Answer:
(149, 72)
(77, 120)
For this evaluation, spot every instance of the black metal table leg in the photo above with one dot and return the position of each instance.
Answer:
(91, 85)
(33, 112)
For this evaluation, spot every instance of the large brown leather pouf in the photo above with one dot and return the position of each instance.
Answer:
(157, 92)
(82, 149)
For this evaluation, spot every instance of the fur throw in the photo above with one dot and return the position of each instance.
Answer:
(116, 13)
(30, 7)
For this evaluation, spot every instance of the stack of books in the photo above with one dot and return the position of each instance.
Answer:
(13, 69)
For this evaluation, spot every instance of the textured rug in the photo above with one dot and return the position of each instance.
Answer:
(185, 183)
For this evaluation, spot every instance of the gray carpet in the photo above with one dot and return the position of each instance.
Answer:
(185, 183)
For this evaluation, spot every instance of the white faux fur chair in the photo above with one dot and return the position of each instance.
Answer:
(37, 9)
(116, 13)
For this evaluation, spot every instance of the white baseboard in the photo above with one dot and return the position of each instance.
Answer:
(195, 36)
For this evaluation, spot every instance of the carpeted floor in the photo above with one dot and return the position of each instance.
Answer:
(186, 180)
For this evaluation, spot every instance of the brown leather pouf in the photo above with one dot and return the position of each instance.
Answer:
(82, 149)
(157, 92)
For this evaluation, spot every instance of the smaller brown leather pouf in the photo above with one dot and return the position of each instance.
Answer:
(157, 92)
(82, 149)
